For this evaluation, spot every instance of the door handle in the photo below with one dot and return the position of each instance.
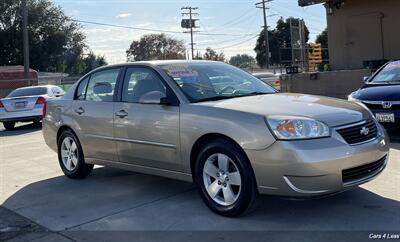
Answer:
(79, 110)
(121, 114)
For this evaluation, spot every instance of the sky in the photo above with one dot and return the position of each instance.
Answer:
(230, 26)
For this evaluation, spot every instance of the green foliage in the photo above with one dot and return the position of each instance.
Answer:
(242, 61)
(56, 44)
(322, 38)
(211, 54)
(156, 47)
(279, 38)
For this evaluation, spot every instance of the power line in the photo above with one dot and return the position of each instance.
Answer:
(233, 45)
(153, 30)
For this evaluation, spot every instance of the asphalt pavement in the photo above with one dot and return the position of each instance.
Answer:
(110, 202)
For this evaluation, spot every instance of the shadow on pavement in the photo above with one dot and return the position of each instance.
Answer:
(21, 129)
(115, 200)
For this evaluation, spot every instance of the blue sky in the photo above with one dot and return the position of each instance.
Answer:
(216, 17)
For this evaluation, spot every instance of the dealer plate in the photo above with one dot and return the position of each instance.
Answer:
(385, 117)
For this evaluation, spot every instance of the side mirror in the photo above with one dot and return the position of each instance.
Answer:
(59, 94)
(155, 97)
(102, 88)
(366, 78)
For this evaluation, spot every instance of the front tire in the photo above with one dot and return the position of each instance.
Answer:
(71, 158)
(9, 125)
(225, 178)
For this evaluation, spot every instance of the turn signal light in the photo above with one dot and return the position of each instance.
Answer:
(1, 105)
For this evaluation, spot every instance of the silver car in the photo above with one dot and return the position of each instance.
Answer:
(26, 104)
(218, 126)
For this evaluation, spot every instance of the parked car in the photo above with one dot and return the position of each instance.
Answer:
(269, 78)
(381, 94)
(26, 104)
(174, 119)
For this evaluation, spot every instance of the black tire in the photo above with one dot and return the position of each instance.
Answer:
(248, 190)
(82, 169)
(9, 125)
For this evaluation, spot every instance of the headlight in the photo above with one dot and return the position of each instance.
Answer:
(294, 128)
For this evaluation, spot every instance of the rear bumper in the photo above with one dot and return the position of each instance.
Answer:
(26, 115)
(317, 167)
(22, 119)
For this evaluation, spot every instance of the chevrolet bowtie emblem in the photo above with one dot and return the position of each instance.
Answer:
(364, 131)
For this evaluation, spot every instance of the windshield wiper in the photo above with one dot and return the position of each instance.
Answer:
(216, 98)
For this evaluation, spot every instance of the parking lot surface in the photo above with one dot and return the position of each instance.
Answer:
(32, 186)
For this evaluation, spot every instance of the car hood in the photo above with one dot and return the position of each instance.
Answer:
(331, 111)
(378, 92)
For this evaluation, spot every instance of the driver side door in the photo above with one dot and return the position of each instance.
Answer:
(147, 134)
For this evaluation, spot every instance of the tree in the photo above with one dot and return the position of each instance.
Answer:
(156, 47)
(322, 38)
(211, 54)
(56, 43)
(242, 61)
(279, 42)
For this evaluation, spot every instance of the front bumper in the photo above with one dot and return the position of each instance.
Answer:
(314, 167)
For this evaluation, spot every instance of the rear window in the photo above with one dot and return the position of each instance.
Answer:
(32, 91)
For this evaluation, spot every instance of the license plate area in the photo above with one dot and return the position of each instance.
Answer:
(385, 117)
(20, 105)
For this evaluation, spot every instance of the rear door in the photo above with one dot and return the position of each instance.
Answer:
(93, 111)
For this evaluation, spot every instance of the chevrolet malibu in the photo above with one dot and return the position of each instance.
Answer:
(218, 126)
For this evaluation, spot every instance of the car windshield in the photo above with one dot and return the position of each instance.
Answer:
(214, 81)
(30, 91)
(390, 73)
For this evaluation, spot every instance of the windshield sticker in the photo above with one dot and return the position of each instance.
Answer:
(180, 71)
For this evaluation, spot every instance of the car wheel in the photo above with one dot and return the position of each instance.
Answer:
(70, 156)
(225, 178)
(9, 125)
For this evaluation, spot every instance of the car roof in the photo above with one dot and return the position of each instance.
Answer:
(31, 87)
(161, 62)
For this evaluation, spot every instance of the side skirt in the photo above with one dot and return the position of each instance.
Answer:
(142, 169)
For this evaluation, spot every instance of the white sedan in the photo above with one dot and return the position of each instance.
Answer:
(27, 104)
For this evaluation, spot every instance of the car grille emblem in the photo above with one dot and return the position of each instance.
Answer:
(386, 105)
(364, 131)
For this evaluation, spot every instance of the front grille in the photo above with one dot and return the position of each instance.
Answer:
(360, 132)
(362, 172)
(376, 106)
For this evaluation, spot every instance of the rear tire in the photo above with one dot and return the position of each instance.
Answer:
(71, 158)
(228, 191)
(9, 125)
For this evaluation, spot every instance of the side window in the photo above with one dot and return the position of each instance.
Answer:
(102, 85)
(81, 90)
(140, 81)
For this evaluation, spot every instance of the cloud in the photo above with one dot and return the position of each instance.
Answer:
(124, 15)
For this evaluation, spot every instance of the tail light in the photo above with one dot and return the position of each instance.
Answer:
(42, 100)
(1, 105)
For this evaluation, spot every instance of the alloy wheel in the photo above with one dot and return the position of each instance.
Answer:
(69, 153)
(222, 179)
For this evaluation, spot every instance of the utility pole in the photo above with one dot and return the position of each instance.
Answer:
(189, 23)
(25, 38)
(263, 6)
